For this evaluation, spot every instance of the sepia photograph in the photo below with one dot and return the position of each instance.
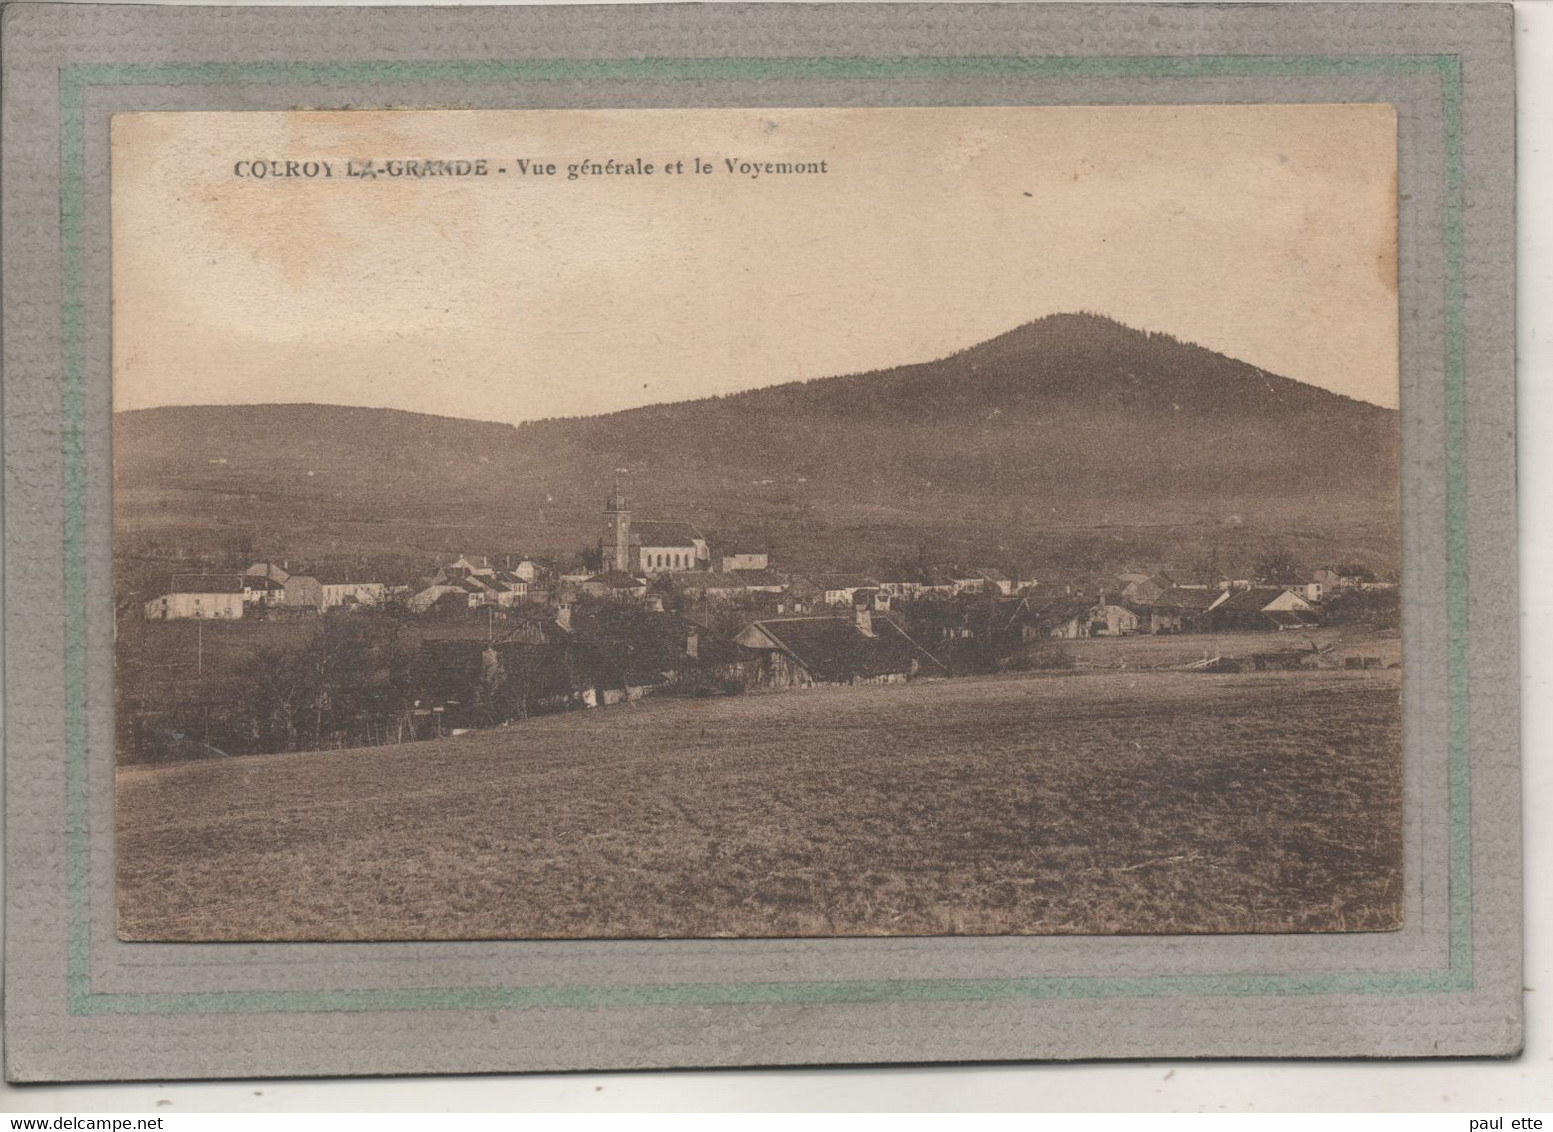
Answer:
(750, 523)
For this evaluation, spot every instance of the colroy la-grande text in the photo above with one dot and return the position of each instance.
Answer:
(370, 169)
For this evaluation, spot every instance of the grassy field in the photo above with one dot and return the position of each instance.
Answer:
(1100, 802)
(1178, 649)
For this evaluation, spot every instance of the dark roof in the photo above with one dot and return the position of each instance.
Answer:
(207, 583)
(341, 578)
(1184, 576)
(835, 650)
(846, 582)
(454, 669)
(1185, 600)
(260, 582)
(1049, 612)
(642, 645)
(1253, 600)
(934, 614)
(654, 532)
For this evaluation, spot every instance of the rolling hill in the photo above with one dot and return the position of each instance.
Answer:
(1072, 440)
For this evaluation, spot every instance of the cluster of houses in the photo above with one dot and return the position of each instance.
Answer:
(658, 590)
(263, 588)
(474, 581)
(608, 652)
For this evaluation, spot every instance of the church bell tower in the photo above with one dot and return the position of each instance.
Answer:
(617, 532)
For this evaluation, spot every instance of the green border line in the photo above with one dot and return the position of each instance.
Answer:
(74, 82)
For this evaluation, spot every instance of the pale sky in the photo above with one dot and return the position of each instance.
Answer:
(1265, 232)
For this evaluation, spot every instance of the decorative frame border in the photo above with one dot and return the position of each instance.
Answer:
(81, 999)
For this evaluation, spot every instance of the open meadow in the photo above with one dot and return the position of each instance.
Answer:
(1175, 650)
(1101, 802)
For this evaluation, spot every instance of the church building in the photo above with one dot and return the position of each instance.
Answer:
(645, 546)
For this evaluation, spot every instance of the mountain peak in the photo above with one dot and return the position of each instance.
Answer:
(1057, 425)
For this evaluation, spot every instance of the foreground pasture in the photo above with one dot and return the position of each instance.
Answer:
(1105, 802)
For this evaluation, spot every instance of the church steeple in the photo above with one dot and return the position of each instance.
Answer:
(617, 500)
(617, 531)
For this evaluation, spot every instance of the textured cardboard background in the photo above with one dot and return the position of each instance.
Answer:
(118, 1026)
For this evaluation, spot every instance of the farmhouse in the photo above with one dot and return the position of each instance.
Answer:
(920, 584)
(303, 591)
(339, 592)
(261, 591)
(1038, 618)
(1263, 607)
(467, 565)
(524, 569)
(1107, 619)
(939, 622)
(442, 595)
(732, 583)
(1178, 609)
(1145, 590)
(746, 560)
(1345, 576)
(497, 588)
(1310, 591)
(859, 649)
(968, 583)
(762, 605)
(842, 589)
(630, 652)
(199, 597)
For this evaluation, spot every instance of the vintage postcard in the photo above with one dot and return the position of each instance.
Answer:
(734, 535)
(566, 524)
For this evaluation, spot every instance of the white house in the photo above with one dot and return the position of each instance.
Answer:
(339, 593)
(199, 597)
(841, 589)
(1310, 591)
